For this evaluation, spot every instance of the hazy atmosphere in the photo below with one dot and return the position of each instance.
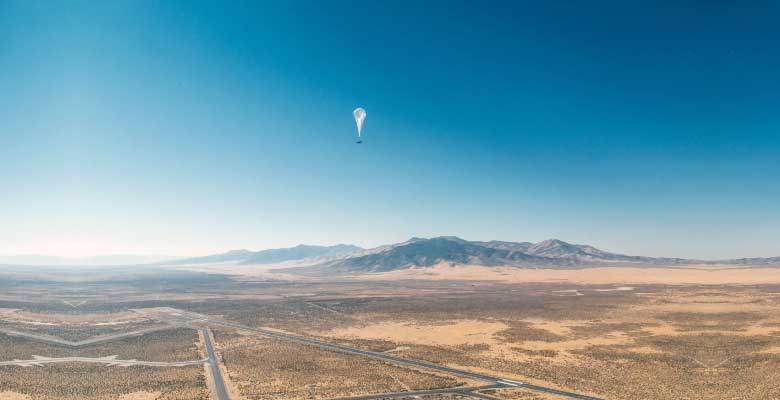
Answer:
(428, 200)
(189, 128)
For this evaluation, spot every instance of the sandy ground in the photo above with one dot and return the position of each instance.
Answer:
(14, 396)
(261, 271)
(648, 318)
(617, 275)
(140, 396)
(470, 332)
(462, 332)
(707, 275)
(24, 317)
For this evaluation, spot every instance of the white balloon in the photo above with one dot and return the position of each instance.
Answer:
(360, 116)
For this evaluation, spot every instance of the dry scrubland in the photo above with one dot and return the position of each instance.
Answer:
(273, 369)
(177, 344)
(72, 381)
(610, 341)
(81, 381)
(519, 394)
(72, 325)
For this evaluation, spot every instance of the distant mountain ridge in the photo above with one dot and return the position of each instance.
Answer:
(273, 256)
(552, 253)
(427, 252)
(413, 253)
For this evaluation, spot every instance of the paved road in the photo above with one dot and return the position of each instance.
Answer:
(351, 350)
(506, 383)
(40, 338)
(558, 392)
(480, 396)
(82, 343)
(219, 382)
(467, 391)
(110, 360)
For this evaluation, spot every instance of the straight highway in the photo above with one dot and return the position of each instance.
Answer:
(502, 382)
(220, 391)
(467, 391)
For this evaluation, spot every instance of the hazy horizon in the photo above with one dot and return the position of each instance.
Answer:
(193, 128)
(53, 260)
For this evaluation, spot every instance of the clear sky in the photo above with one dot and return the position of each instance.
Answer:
(185, 128)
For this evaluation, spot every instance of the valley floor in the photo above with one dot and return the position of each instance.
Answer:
(611, 341)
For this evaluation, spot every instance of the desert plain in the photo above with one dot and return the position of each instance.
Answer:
(602, 333)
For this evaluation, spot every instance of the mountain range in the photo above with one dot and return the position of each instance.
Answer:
(427, 252)
(274, 256)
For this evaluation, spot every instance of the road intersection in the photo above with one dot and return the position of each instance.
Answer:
(174, 317)
(38, 361)
(189, 318)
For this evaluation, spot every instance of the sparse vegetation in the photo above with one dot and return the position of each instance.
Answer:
(274, 369)
(82, 381)
(651, 342)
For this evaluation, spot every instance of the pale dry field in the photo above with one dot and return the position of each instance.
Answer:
(142, 395)
(612, 342)
(608, 275)
(7, 395)
(704, 274)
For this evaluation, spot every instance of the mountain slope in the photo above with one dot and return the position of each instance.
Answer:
(422, 253)
(272, 256)
(428, 252)
(559, 249)
(758, 261)
(551, 253)
(299, 252)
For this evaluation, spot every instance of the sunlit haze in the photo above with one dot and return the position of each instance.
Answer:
(189, 128)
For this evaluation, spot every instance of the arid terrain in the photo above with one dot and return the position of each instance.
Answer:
(123, 338)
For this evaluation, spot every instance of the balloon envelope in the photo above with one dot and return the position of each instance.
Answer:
(360, 116)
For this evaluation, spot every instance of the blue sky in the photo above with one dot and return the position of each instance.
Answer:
(188, 128)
